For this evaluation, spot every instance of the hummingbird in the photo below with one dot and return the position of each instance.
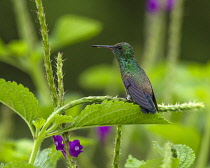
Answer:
(137, 85)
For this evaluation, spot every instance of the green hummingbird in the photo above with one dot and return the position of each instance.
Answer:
(137, 85)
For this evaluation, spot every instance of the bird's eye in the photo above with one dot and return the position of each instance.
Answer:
(119, 47)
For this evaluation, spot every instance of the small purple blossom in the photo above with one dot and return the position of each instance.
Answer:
(75, 148)
(153, 6)
(58, 141)
(103, 132)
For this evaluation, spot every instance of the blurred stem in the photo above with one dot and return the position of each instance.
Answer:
(28, 34)
(24, 23)
(173, 48)
(205, 144)
(46, 47)
(154, 38)
(37, 75)
(118, 140)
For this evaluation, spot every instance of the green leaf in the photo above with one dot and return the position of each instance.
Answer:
(38, 123)
(2, 165)
(42, 158)
(60, 119)
(53, 158)
(72, 29)
(132, 162)
(19, 164)
(19, 99)
(48, 158)
(176, 133)
(16, 150)
(167, 156)
(3, 49)
(115, 113)
(185, 154)
(18, 48)
(158, 148)
(156, 163)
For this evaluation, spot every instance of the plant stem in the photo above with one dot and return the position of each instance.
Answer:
(28, 35)
(173, 48)
(46, 46)
(117, 147)
(60, 80)
(37, 144)
(205, 144)
(25, 26)
(37, 75)
(154, 39)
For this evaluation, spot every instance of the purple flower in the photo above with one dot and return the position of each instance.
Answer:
(103, 132)
(58, 141)
(153, 6)
(75, 148)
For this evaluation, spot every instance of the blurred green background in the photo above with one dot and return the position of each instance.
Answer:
(90, 71)
(121, 20)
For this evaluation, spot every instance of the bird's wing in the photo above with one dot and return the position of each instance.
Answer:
(137, 94)
(154, 100)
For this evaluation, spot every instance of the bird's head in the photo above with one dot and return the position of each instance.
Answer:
(121, 50)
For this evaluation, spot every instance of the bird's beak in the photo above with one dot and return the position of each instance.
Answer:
(103, 46)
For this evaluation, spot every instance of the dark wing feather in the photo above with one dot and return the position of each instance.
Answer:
(154, 100)
(138, 95)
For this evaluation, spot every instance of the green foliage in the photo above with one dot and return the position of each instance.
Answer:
(132, 162)
(168, 156)
(18, 48)
(53, 159)
(2, 165)
(176, 133)
(42, 157)
(16, 150)
(38, 123)
(3, 49)
(173, 156)
(115, 113)
(154, 163)
(19, 164)
(71, 29)
(60, 119)
(47, 158)
(19, 99)
(185, 154)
